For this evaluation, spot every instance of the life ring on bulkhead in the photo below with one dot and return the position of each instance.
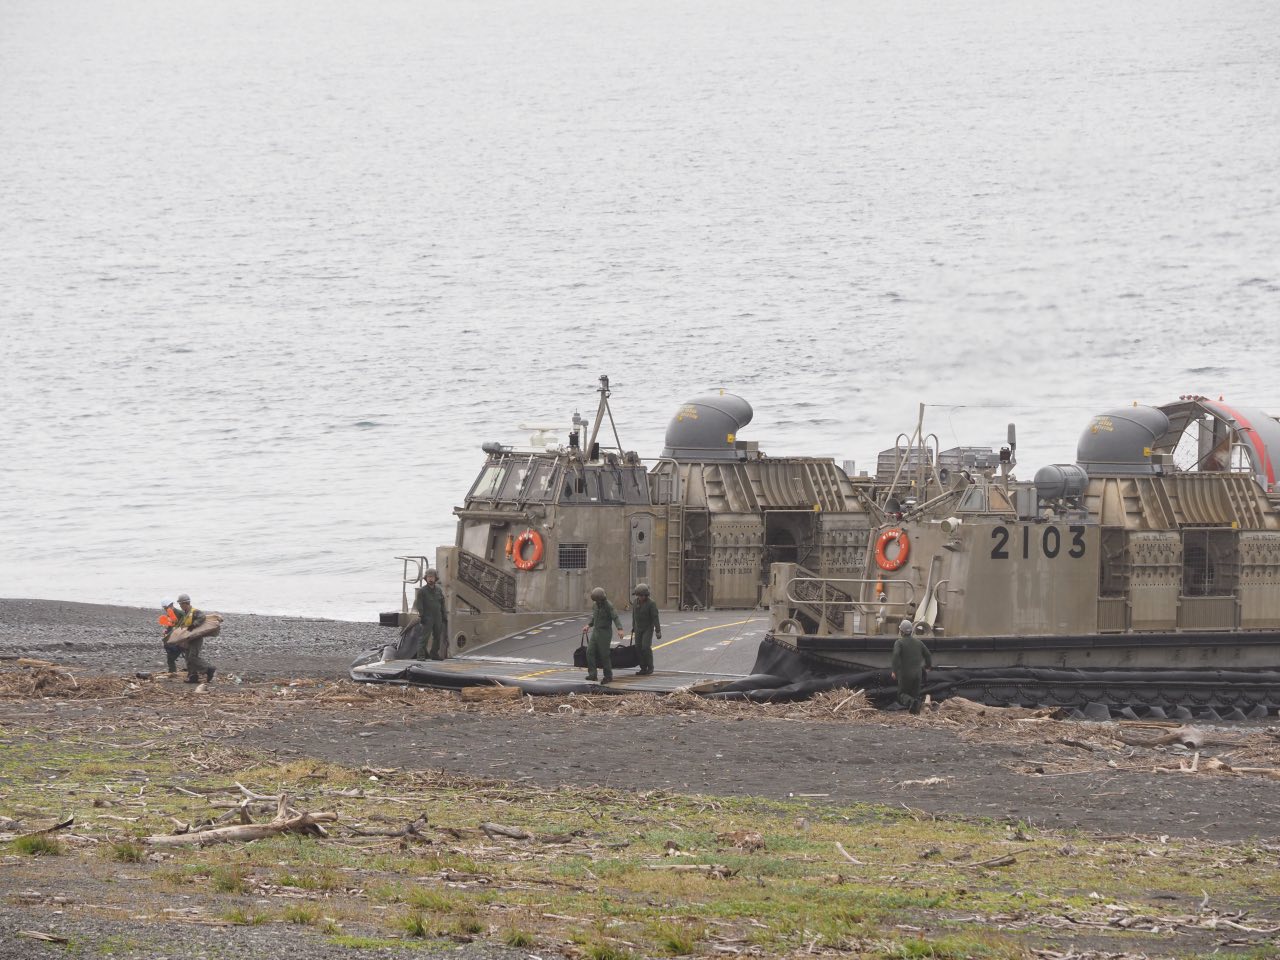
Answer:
(904, 548)
(517, 551)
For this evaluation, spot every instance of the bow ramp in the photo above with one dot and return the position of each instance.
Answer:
(704, 650)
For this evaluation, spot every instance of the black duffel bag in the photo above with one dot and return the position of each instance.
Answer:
(621, 655)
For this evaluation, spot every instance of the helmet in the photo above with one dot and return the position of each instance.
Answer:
(642, 589)
(183, 598)
(597, 593)
(166, 605)
(906, 628)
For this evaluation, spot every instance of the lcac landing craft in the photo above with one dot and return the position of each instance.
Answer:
(1143, 578)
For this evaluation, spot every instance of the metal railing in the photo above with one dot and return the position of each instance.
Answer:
(419, 565)
(828, 597)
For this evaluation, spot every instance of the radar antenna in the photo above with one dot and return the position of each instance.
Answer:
(601, 412)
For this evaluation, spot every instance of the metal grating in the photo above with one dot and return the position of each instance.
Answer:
(573, 556)
(489, 581)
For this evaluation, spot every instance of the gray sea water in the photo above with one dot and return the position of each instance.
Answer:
(271, 272)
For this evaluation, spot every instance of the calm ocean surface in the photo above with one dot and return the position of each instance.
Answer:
(271, 273)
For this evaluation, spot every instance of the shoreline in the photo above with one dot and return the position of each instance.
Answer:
(126, 640)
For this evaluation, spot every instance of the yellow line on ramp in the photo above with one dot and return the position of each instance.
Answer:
(718, 626)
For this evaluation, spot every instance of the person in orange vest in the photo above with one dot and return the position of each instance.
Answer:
(169, 620)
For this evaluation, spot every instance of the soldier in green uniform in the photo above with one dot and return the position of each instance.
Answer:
(189, 618)
(429, 603)
(910, 658)
(644, 627)
(602, 614)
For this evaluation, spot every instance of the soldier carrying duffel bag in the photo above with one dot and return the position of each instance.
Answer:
(597, 651)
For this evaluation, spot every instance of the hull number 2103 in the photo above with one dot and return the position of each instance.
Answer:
(1051, 543)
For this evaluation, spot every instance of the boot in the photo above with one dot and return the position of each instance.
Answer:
(209, 676)
(608, 678)
(591, 676)
(191, 678)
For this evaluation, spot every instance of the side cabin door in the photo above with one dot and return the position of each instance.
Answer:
(641, 549)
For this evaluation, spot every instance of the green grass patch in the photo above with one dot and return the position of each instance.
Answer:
(37, 845)
(127, 851)
(515, 937)
(229, 878)
(245, 918)
(303, 916)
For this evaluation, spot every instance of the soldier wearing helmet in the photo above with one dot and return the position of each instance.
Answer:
(911, 658)
(169, 617)
(189, 618)
(602, 614)
(644, 627)
(429, 604)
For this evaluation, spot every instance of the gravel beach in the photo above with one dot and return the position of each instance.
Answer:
(1047, 774)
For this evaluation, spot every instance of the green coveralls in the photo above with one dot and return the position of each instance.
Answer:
(430, 606)
(196, 664)
(603, 616)
(644, 624)
(910, 657)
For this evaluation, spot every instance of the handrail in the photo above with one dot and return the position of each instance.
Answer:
(421, 564)
(862, 606)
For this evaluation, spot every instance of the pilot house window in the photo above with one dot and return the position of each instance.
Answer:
(573, 556)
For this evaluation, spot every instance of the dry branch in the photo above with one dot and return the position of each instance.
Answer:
(306, 823)
(498, 830)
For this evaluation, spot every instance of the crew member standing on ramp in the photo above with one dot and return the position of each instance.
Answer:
(430, 606)
(910, 658)
(644, 627)
(602, 614)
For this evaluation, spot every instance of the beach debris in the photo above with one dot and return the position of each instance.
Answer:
(47, 937)
(716, 871)
(496, 692)
(926, 782)
(492, 830)
(847, 855)
(1193, 738)
(286, 820)
(747, 840)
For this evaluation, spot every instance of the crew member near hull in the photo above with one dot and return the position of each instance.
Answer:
(188, 619)
(910, 659)
(644, 627)
(602, 614)
(429, 602)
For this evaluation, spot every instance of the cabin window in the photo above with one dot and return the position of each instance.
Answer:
(610, 486)
(539, 485)
(635, 485)
(573, 556)
(515, 481)
(490, 482)
(581, 487)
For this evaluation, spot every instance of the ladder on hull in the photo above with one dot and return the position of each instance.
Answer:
(675, 555)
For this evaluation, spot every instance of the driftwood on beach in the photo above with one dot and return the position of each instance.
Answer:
(182, 636)
(286, 821)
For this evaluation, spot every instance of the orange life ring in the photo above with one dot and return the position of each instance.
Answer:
(517, 553)
(904, 549)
